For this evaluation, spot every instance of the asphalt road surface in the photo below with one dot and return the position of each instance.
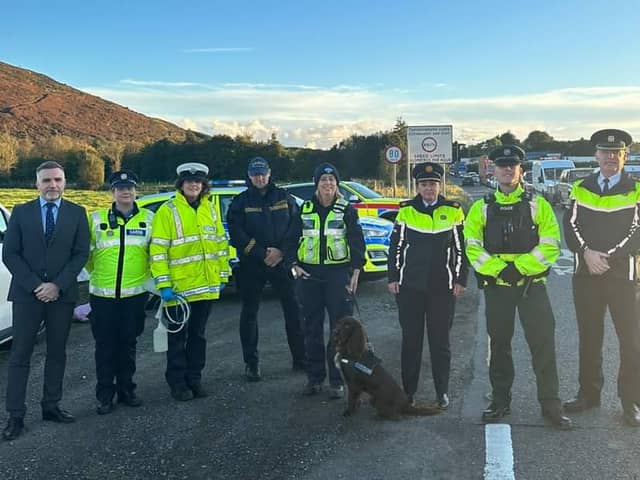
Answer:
(267, 430)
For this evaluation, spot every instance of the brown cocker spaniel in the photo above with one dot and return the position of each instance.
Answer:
(362, 372)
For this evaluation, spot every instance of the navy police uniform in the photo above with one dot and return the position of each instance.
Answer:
(258, 219)
(603, 217)
(426, 258)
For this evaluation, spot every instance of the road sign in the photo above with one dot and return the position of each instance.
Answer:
(430, 144)
(393, 154)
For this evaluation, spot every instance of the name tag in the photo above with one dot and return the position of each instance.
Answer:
(139, 232)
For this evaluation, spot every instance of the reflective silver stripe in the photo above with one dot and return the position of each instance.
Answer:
(176, 218)
(576, 259)
(482, 259)
(550, 241)
(448, 267)
(310, 233)
(534, 209)
(114, 242)
(200, 290)
(162, 278)
(335, 231)
(161, 241)
(574, 225)
(183, 260)
(632, 266)
(111, 292)
(183, 240)
(632, 230)
(224, 274)
(158, 257)
(473, 241)
(536, 252)
(459, 252)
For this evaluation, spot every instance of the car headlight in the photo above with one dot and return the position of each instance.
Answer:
(374, 232)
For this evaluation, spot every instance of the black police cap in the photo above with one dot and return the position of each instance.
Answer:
(507, 155)
(428, 171)
(123, 178)
(611, 139)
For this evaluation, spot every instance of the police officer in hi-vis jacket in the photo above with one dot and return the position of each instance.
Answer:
(427, 270)
(511, 241)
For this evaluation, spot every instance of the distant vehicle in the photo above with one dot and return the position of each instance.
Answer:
(527, 179)
(633, 170)
(468, 179)
(546, 174)
(460, 169)
(565, 182)
(6, 322)
(5, 279)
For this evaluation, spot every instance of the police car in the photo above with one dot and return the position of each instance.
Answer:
(365, 200)
(377, 231)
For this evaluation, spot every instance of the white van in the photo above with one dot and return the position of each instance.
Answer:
(546, 174)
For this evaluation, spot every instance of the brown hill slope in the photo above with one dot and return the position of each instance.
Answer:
(33, 105)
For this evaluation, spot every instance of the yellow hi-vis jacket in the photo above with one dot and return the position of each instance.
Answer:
(119, 253)
(189, 248)
(530, 264)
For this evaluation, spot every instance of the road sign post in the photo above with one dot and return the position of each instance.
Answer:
(393, 155)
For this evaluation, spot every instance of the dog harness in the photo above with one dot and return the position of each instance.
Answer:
(364, 365)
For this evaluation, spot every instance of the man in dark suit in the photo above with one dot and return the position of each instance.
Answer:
(45, 247)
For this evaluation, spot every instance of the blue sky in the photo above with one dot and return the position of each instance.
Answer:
(316, 72)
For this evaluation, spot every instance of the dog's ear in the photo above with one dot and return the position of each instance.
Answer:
(357, 343)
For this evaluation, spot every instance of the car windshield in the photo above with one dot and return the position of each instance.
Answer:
(363, 191)
(225, 202)
(553, 173)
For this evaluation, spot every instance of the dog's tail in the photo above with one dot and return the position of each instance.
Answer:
(422, 410)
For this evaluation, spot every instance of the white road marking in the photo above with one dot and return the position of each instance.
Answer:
(498, 452)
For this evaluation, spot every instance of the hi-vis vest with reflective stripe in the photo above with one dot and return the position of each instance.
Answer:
(110, 276)
(334, 249)
(533, 263)
(189, 248)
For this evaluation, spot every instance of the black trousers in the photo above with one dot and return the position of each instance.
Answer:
(251, 281)
(187, 350)
(538, 324)
(26, 322)
(592, 295)
(435, 310)
(115, 324)
(324, 291)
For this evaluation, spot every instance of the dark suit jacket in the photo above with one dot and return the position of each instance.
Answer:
(31, 261)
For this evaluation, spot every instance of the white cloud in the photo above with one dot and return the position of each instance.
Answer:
(322, 116)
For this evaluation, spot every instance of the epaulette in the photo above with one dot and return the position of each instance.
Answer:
(405, 203)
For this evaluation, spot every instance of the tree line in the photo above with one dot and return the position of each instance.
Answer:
(359, 156)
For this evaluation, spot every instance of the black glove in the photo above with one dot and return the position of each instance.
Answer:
(510, 274)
